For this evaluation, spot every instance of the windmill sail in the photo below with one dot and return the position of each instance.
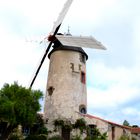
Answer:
(54, 31)
(81, 41)
(62, 15)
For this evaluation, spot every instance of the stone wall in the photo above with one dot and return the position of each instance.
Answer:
(68, 93)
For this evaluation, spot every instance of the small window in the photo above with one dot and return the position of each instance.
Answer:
(50, 90)
(72, 66)
(82, 58)
(82, 109)
(83, 77)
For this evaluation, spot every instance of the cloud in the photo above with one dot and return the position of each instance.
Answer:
(111, 91)
(113, 75)
(18, 58)
(112, 97)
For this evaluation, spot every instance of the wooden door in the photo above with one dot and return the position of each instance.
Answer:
(65, 134)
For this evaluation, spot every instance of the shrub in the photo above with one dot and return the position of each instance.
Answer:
(36, 137)
(124, 137)
(77, 137)
(87, 138)
(65, 124)
(57, 137)
(13, 137)
(80, 124)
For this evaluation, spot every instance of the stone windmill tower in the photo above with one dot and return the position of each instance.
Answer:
(66, 86)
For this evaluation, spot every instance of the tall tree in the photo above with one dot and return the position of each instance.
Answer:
(126, 123)
(18, 106)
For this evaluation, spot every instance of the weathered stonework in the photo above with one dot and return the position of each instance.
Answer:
(66, 92)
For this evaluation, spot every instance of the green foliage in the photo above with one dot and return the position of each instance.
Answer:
(38, 127)
(126, 123)
(58, 123)
(39, 119)
(65, 124)
(43, 130)
(124, 137)
(96, 135)
(18, 105)
(13, 137)
(77, 137)
(80, 124)
(16, 134)
(36, 137)
(103, 136)
(88, 138)
(57, 137)
(135, 126)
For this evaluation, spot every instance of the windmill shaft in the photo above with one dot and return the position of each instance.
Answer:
(42, 60)
(44, 56)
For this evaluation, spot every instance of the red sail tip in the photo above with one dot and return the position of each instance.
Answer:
(51, 38)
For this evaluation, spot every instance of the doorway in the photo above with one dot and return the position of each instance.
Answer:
(65, 134)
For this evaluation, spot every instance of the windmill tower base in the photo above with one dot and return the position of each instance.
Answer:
(66, 87)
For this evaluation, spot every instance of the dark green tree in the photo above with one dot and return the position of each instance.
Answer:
(135, 126)
(39, 126)
(18, 106)
(126, 123)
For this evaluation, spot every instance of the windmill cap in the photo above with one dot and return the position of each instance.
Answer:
(68, 48)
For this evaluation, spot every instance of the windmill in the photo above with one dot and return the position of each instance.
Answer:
(66, 84)
(89, 42)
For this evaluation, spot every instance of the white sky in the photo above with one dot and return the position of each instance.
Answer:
(112, 76)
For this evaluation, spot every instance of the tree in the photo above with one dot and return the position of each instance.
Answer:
(18, 106)
(126, 123)
(39, 126)
(135, 125)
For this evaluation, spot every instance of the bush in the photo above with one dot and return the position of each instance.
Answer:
(77, 137)
(36, 137)
(43, 130)
(87, 138)
(57, 137)
(65, 124)
(80, 124)
(124, 137)
(13, 137)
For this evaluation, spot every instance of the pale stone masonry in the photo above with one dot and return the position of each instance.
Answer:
(66, 87)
